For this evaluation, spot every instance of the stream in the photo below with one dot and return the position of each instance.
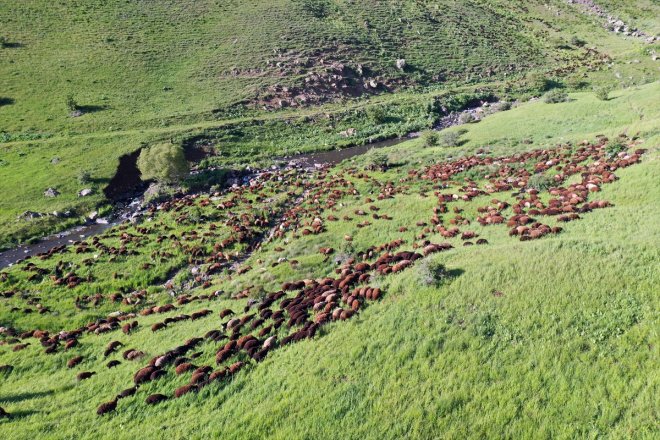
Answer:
(126, 190)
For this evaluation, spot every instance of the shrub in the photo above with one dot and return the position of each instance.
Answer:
(316, 8)
(502, 106)
(602, 93)
(555, 96)
(615, 147)
(452, 138)
(84, 177)
(578, 42)
(431, 138)
(164, 163)
(432, 273)
(377, 161)
(466, 118)
(376, 114)
(538, 83)
(540, 182)
(71, 104)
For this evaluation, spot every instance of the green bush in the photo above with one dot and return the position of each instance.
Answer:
(431, 138)
(317, 8)
(432, 273)
(164, 163)
(615, 147)
(377, 161)
(376, 114)
(538, 83)
(602, 93)
(555, 96)
(578, 42)
(84, 177)
(466, 118)
(502, 106)
(452, 138)
(71, 103)
(540, 182)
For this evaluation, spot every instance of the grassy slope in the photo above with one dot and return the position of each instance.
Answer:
(159, 69)
(573, 349)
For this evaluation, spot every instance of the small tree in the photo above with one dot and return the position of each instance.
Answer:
(71, 104)
(378, 162)
(431, 138)
(555, 96)
(84, 177)
(452, 138)
(602, 93)
(432, 273)
(164, 163)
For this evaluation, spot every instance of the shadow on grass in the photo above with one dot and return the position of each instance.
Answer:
(20, 414)
(20, 397)
(6, 101)
(84, 109)
(11, 45)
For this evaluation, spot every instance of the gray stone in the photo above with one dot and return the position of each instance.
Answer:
(85, 192)
(30, 215)
(51, 192)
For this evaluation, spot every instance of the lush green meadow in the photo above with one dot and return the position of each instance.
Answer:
(568, 349)
(149, 72)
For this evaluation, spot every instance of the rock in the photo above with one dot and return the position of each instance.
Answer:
(29, 215)
(373, 83)
(85, 192)
(55, 160)
(401, 64)
(93, 215)
(102, 221)
(51, 192)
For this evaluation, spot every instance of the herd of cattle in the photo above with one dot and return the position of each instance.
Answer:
(214, 237)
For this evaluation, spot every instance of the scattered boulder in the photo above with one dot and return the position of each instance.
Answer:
(51, 192)
(29, 215)
(401, 64)
(85, 192)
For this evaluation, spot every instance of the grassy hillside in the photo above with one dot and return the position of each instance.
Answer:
(144, 72)
(555, 337)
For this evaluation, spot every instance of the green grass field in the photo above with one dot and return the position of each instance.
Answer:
(147, 72)
(568, 350)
